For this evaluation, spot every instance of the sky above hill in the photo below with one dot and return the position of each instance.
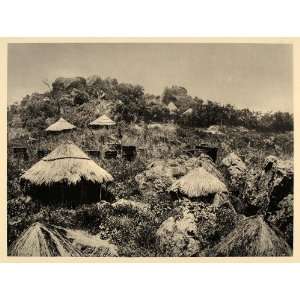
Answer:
(257, 76)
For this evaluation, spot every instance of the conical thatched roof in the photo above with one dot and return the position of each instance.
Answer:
(103, 121)
(51, 240)
(60, 125)
(252, 237)
(39, 240)
(197, 183)
(66, 163)
(172, 107)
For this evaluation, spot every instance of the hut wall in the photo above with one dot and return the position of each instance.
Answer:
(129, 152)
(110, 154)
(20, 153)
(64, 195)
(93, 153)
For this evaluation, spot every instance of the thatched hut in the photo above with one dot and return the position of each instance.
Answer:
(51, 240)
(39, 240)
(60, 126)
(129, 144)
(252, 237)
(102, 122)
(66, 176)
(198, 184)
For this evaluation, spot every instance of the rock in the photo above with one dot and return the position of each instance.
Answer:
(176, 236)
(221, 199)
(235, 167)
(195, 226)
(266, 188)
(282, 218)
(131, 207)
(269, 162)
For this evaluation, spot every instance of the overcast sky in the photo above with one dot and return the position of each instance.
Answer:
(245, 75)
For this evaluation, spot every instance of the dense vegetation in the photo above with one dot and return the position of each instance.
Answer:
(251, 135)
(77, 99)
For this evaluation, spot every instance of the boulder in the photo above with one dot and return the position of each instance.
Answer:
(194, 226)
(235, 168)
(282, 218)
(177, 236)
(131, 207)
(266, 188)
(222, 199)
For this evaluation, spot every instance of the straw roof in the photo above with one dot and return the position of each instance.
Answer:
(172, 107)
(103, 121)
(197, 183)
(60, 125)
(252, 237)
(89, 245)
(66, 163)
(39, 240)
(51, 240)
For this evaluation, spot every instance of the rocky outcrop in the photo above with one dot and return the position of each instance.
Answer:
(235, 168)
(265, 189)
(131, 208)
(194, 226)
(282, 218)
(177, 236)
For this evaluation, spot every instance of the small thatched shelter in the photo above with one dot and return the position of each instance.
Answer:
(252, 237)
(102, 122)
(198, 183)
(129, 144)
(39, 240)
(66, 176)
(60, 126)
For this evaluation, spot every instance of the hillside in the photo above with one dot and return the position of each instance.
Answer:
(142, 210)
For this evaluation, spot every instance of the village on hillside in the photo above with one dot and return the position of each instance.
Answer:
(99, 168)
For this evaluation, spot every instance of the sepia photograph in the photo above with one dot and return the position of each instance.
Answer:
(150, 149)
